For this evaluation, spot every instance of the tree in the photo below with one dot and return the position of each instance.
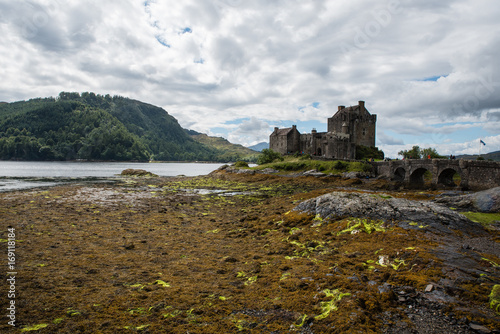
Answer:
(268, 156)
(431, 152)
(365, 152)
(417, 153)
(414, 153)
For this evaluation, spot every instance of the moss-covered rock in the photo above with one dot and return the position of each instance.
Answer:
(137, 172)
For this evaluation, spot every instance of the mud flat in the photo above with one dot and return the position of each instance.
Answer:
(229, 253)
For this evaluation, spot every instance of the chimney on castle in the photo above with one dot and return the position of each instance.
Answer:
(341, 107)
(362, 105)
(276, 129)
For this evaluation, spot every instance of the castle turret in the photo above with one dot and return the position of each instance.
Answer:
(345, 128)
(361, 105)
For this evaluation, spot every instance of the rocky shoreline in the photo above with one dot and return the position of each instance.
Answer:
(240, 251)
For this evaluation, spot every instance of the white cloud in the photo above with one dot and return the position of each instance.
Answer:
(212, 62)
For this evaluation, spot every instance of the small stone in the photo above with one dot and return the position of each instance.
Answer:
(429, 288)
(385, 288)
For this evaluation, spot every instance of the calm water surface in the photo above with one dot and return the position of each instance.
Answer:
(15, 175)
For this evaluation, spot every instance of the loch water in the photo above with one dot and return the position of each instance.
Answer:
(17, 175)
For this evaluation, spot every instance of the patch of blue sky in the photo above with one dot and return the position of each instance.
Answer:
(238, 121)
(433, 78)
(186, 30)
(220, 131)
(314, 105)
(199, 61)
(162, 41)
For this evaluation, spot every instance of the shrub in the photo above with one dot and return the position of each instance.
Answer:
(340, 165)
(240, 164)
(267, 156)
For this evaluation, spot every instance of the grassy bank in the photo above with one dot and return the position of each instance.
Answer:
(293, 164)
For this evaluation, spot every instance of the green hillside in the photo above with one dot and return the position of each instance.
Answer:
(228, 151)
(96, 127)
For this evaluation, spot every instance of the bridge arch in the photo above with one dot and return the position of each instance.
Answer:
(399, 174)
(447, 177)
(417, 176)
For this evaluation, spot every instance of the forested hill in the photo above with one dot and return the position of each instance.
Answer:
(95, 127)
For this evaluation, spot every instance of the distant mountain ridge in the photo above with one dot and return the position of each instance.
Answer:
(259, 147)
(495, 156)
(96, 127)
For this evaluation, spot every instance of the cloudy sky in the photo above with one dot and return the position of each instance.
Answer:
(429, 69)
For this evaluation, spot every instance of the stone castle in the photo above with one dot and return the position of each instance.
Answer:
(349, 127)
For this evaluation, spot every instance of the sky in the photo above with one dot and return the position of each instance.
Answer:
(429, 69)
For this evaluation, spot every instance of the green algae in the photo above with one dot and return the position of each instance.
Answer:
(302, 322)
(137, 328)
(34, 328)
(366, 225)
(493, 263)
(495, 298)
(331, 305)
(72, 312)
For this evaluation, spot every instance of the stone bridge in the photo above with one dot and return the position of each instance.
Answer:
(472, 174)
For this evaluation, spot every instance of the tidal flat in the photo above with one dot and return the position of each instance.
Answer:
(229, 253)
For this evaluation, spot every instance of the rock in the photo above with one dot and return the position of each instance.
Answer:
(351, 175)
(429, 288)
(422, 215)
(385, 288)
(245, 171)
(482, 201)
(137, 172)
(479, 328)
(231, 169)
(357, 175)
(268, 170)
(313, 172)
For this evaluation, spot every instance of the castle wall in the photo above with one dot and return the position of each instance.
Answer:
(347, 128)
(357, 122)
(278, 143)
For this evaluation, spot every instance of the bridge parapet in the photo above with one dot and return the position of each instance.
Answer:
(473, 174)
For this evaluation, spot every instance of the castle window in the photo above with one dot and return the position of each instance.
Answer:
(364, 131)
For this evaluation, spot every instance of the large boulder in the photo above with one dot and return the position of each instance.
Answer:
(402, 211)
(482, 201)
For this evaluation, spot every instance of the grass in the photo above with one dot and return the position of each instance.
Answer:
(292, 164)
(485, 219)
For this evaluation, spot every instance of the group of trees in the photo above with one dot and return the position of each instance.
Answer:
(366, 152)
(417, 153)
(68, 131)
(95, 127)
